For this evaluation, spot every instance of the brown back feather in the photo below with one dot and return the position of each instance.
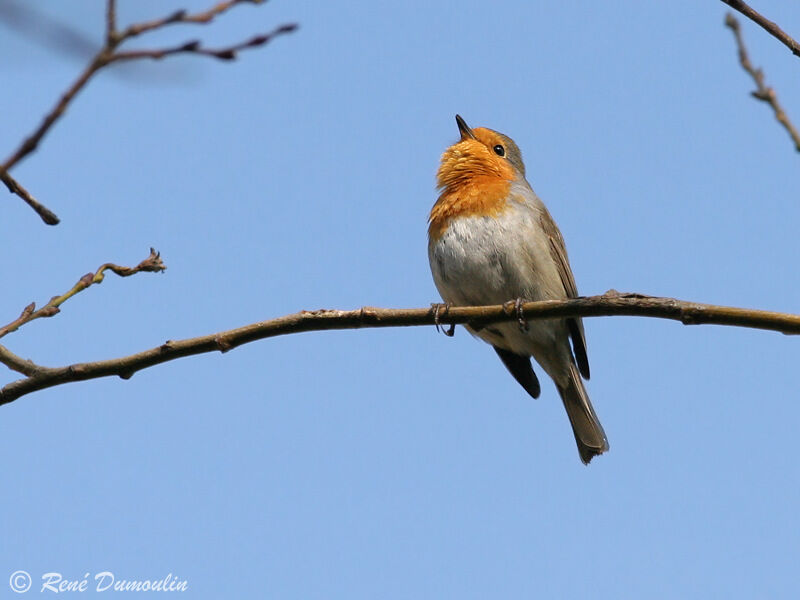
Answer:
(558, 251)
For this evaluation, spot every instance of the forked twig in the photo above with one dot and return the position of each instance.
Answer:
(152, 264)
(109, 54)
(762, 91)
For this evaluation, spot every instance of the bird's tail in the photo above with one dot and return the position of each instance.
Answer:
(588, 432)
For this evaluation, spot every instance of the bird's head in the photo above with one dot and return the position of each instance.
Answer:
(480, 152)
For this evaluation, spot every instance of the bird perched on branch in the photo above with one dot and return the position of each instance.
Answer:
(491, 240)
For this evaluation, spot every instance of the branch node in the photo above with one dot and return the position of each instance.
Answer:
(178, 15)
(368, 314)
(691, 314)
(223, 343)
(49, 311)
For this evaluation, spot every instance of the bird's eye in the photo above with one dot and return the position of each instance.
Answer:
(499, 150)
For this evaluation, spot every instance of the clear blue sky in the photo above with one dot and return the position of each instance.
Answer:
(401, 463)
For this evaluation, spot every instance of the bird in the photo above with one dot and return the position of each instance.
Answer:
(491, 240)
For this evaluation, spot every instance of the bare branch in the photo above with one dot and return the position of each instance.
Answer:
(612, 303)
(105, 56)
(32, 141)
(763, 92)
(152, 264)
(182, 16)
(769, 26)
(47, 215)
(19, 364)
(194, 47)
(111, 23)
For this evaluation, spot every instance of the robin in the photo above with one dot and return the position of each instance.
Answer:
(491, 240)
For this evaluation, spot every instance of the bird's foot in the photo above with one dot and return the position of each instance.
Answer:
(440, 310)
(516, 305)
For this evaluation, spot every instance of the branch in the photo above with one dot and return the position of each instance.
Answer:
(152, 264)
(111, 23)
(19, 364)
(107, 55)
(771, 27)
(181, 16)
(763, 92)
(32, 141)
(612, 303)
(47, 215)
(194, 47)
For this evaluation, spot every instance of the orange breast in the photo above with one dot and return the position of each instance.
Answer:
(483, 195)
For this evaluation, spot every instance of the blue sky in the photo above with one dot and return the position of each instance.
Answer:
(401, 463)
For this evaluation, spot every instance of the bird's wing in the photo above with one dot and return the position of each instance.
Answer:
(558, 252)
(522, 192)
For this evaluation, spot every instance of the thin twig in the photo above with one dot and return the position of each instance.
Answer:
(107, 55)
(771, 27)
(182, 16)
(111, 23)
(19, 364)
(32, 141)
(612, 303)
(152, 264)
(762, 92)
(194, 46)
(47, 215)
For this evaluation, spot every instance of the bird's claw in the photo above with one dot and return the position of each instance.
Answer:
(517, 306)
(437, 309)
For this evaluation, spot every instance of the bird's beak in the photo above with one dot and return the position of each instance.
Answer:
(463, 128)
